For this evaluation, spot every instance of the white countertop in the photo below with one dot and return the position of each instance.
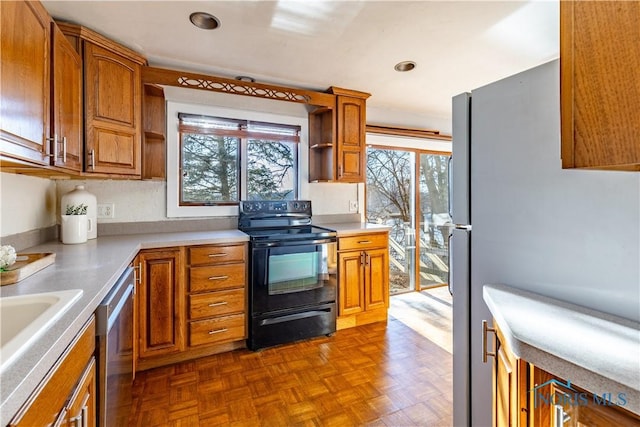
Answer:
(93, 267)
(355, 227)
(598, 352)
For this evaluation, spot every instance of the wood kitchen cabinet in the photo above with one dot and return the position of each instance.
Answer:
(25, 81)
(66, 103)
(161, 320)
(337, 138)
(192, 302)
(67, 395)
(41, 87)
(510, 386)
(600, 89)
(113, 103)
(526, 396)
(217, 294)
(363, 279)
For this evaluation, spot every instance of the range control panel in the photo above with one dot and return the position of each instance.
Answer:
(276, 207)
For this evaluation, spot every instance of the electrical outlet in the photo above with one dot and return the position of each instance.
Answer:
(106, 210)
(353, 206)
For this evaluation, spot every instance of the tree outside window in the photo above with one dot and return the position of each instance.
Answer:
(225, 160)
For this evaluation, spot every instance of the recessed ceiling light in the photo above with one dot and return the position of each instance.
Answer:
(204, 20)
(405, 66)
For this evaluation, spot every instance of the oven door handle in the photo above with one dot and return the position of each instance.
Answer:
(294, 243)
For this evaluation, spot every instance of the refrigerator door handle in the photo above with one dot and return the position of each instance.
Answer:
(449, 254)
(450, 178)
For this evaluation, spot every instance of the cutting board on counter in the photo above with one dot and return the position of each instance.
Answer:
(25, 266)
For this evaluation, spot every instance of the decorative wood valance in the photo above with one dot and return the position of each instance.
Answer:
(409, 132)
(184, 79)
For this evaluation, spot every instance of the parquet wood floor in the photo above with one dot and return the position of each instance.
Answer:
(377, 375)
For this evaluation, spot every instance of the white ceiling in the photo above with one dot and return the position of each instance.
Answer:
(314, 44)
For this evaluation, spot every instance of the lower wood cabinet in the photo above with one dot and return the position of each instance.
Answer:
(363, 279)
(192, 302)
(160, 303)
(217, 294)
(67, 395)
(527, 396)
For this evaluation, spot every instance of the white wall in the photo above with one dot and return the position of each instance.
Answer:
(27, 203)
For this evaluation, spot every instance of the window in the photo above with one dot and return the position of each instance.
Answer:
(218, 157)
(224, 160)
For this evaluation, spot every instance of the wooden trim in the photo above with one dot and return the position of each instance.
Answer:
(348, 92)
(409, 132)
(415, 150)
(85, 33)
(567, 149)
(185, 79)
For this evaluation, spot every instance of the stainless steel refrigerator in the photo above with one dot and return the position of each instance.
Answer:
(523, 221)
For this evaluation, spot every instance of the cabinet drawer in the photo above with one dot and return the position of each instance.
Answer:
(221, 329)
(216, 254)
(363, 241)
(216, 303)
(216, 277)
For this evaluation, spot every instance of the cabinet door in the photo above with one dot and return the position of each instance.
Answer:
(24, 80)
(377, 279)
(161, 304)
(66, 100)
(504, 377)
(351, 122)
(600, 90)
(49, 403)
(81, 410)
(350, 283)
(113, 112)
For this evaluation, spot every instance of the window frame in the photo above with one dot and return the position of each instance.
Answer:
(174, 210)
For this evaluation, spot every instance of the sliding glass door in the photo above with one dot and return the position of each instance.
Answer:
(406, 189)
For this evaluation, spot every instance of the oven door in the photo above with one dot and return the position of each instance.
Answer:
(288, 275)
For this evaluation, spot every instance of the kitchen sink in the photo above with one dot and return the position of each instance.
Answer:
(24, 318)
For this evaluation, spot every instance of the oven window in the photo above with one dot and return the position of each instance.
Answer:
(296, 272)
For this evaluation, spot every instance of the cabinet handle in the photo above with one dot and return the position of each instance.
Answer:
(361, 258)
(560, 417)
(364, 242)
(137, 277)
(218, 331)
(485, 353)
(92, 154)
(218, 277)
(217, 304)
(217, 255)
(367, 259)
(64, 149)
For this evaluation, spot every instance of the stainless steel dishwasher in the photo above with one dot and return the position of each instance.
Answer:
(114, 329)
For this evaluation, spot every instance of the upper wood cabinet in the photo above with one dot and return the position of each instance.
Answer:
(113, 103)
(24, 81)
(66, 103)
(337, 138)
(600, 84)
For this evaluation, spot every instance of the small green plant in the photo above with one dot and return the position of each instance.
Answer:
(80, 209)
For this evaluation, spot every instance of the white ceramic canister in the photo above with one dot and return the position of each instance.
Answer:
(81, 196)
(74, 229)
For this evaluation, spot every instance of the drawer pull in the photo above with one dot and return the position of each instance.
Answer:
(218, 331)
(217, 304)
(485, 352)
(218, 277)
(364, 242)
(217, 255)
